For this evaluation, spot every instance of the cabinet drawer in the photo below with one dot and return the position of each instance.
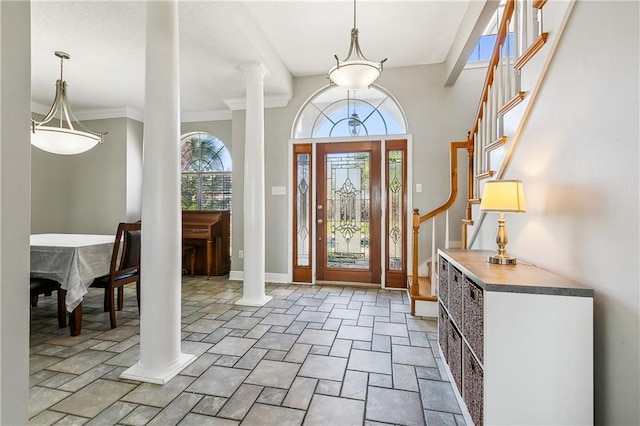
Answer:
(473, 325)
(455, 355)
(443, 283)
(473, 393)
(443, 331)
(455, 295)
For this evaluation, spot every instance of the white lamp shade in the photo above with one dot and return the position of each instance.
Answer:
(503, 196)
(63, 141)
(356, 74)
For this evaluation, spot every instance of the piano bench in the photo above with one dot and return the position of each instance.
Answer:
(191, 251)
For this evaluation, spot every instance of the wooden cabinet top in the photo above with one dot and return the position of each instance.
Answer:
(519, 278)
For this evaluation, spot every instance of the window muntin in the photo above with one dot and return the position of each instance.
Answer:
(206, 173)
(336, 112)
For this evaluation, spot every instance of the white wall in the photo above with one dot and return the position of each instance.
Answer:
(579, 159)
(15, 171)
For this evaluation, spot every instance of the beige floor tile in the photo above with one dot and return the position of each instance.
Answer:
(91, 400)
(81, 362)
(159, 395)
(42, 398)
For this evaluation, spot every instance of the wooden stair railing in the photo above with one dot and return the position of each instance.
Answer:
(501, 92)
(419, 286)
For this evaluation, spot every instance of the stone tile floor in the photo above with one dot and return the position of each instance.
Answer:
(314, 355)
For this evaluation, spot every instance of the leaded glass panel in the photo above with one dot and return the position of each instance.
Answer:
(336, 112)
(303, 204)
(348, 210)
(395, 216)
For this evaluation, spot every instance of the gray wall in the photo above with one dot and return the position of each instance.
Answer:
(134, 171)
(237, 231)
(92, 192)
(15, 170)
(436, 115)
(87, 193)
(220, 129)
(578, 157)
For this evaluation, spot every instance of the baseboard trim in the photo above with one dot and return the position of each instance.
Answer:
(235, 275)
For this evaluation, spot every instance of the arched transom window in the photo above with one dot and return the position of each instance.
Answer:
(206, 173)
(336, 112)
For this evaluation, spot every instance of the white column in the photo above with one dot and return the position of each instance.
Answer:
(254, 209)
(160, 354)
(15, 199)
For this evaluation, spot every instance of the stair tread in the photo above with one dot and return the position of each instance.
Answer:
(424, 293)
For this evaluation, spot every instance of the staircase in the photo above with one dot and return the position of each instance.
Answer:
(509, 93)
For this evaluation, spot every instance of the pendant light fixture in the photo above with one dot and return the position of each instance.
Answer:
(354, 123)
(356, 71)
(63, 139)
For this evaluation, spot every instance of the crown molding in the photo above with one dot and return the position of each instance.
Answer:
(97, 114)
(270, 101)
(234, 104)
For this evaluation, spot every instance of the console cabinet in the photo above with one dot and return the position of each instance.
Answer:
(517, 340)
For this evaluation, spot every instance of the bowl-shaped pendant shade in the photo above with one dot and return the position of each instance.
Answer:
(63, 141)
(356, 74)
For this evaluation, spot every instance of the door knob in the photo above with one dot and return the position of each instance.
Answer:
(319, 221)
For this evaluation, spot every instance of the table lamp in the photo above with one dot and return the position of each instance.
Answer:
(502, 196)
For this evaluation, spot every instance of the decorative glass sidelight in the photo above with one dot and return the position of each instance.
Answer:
(395, 217)
(348, 210)
(303, 201)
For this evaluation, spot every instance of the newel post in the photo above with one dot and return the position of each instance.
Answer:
(415, 287)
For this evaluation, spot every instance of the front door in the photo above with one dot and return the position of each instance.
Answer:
(348, 212)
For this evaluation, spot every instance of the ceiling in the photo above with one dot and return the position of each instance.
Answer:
(106, 41)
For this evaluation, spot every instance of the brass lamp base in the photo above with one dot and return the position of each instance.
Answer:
(501, 260)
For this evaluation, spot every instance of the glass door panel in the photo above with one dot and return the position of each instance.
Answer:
(302, 227)
(348, 212)
(396, 215)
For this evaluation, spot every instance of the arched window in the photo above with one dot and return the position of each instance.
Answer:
(337, 112)
(206, 173)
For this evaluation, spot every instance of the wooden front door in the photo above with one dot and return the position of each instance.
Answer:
(348, 212)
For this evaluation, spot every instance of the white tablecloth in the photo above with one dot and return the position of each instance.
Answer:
(74, 260)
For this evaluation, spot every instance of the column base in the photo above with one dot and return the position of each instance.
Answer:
(253, 301)
(141, 374)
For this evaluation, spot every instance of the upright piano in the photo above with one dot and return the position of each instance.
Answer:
(209, 232)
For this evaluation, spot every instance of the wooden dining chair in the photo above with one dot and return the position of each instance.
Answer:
(45, 286)
(125, 268)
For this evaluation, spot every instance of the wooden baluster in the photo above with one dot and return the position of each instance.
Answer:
(494, 112)
(433, 254)
(475, 165)
(510, 62)
(491, 109)
(415, 288)
(517, 30)
(446, 230)
(524, 42)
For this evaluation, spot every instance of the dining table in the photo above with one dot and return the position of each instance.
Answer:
(73, 260)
